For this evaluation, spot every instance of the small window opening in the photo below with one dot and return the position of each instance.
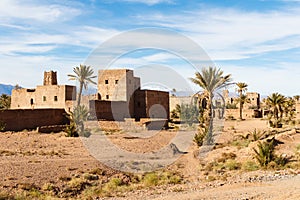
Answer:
(44, 98)
(31, 101)
(55, 98)
(107, 96)
(116, 81)
(106, 81)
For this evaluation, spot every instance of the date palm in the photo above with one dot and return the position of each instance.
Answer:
(210, 80)
(276, 102)
(5, 101)
(84, 75)
(241, 89)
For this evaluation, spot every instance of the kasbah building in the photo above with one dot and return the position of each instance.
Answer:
(119, 98)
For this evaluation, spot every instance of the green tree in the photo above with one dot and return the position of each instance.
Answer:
(5, 101)
(189, 113)
(77, 118)
(297, 97)
(276, 102)
(210, 80)
(289, 108)
(84, 75)
(241, 89)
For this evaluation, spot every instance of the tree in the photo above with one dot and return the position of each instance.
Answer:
(276, 102)
(5, 101)
(77, 118)
(289, 108)
(210, 80)
(297, 97)
(241, 88)
(84, 75)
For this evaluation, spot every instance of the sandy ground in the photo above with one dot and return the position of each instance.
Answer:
(29, 157)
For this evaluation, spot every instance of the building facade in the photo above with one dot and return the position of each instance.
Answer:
(120, 96)
(48, 95)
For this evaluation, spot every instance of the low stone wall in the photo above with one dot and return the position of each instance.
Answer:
(20, 119)
(235, 113)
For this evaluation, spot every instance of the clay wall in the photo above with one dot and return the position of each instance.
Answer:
(20, 119)
(247, 113)
(152, 104)
(48, 96)
(109, 110)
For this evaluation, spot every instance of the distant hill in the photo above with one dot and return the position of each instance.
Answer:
(6, 89)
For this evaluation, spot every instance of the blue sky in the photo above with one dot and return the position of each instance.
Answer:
(257, 41)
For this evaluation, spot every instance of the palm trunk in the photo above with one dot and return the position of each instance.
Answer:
(241, 106)
(209, 121)
(79, 94)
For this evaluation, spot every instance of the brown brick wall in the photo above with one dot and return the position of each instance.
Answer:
(110, 110)
(20, 119)
(152, 104)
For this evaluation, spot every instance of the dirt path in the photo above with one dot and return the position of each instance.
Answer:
(275, 190)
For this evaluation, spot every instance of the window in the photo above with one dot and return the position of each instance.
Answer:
(106, 81)
(55, 98)
(107, 96)
(116, 81)
(44, 98)
(31, 101)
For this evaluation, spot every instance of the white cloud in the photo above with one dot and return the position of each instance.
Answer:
(239, 32)
(26, 10)
(151, 2)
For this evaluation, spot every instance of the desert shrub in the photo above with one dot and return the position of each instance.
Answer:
(266, 157)
(6, 196)
(199, 137)
(210, 178)
(71, 130)
(232, 164)
(97, 171)
(151, 179)
(170, 178)
(2, 126)
(240, 143)
(249, 166)
(112, 185)
(298, 147)
(77, 184)
(90, 177)
(226, 156)
(265, 153)
(256, 135)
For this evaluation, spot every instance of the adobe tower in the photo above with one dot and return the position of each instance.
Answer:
(50, 78)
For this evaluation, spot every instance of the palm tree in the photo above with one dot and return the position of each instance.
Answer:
(210, 80)
(275, 102)
(241, 88)
(289, 107)
(84, 75)
(297, 97)
(5, 101)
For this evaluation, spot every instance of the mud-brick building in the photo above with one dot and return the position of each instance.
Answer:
(48, 95)
(120, 96)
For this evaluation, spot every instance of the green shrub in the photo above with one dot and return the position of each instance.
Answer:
(199, 138)
(112, 185)
(232, 165)
(151, 179)
(249, 166)
(265, 153)
(2, 126)
(256, 135)
(71, 130)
